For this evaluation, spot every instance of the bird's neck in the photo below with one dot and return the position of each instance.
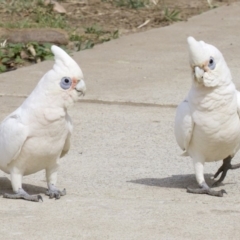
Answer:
(212, 98)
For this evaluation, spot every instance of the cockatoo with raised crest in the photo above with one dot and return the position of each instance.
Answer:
(207, 123)
(37, 134)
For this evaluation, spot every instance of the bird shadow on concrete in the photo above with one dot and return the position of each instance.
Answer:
(175, 181)
(6, 187)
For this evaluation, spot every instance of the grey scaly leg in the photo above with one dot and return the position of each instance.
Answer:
(223, 169)
(51, 176)
(204, 188)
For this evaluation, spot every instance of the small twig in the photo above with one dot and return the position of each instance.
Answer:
(210, 3)
(144, 24)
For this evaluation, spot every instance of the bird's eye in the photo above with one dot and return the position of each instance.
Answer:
(211, 63)
(66, 83)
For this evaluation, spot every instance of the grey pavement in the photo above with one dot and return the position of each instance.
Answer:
(124, 175)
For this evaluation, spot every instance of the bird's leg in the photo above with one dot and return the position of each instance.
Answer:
(51, 175)
(204, 188)
(223, 169)
(16, 180)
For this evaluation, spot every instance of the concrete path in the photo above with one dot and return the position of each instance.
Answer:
(124, 176)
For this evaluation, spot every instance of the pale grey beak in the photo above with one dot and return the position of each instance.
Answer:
(199, 73)
(81, 87)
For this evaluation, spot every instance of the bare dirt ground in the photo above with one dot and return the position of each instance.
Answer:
(89, 22)
(110, 16)
(123, 15)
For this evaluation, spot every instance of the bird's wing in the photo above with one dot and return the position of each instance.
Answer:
(13, 134)
(183, 125)
(238, 103)
(67, 144)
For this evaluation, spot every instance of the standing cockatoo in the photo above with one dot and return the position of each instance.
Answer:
(37, 134)
(207, 123)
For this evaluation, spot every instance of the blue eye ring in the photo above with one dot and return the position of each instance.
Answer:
(211, 63)
(66, 83)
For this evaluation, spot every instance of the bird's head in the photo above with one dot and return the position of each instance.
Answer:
(64, 83)
(208, 65)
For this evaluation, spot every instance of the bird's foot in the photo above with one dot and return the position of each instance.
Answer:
(53, 192)
(205, 189)
(21, 194)
(223, 169)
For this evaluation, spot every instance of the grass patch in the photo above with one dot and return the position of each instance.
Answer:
(21, 14)
(92, 35)
(33, 14)
(171, 16)
(13, 55)
(134, 4)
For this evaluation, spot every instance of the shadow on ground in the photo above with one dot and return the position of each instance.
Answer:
(175, 181)
(6, 187)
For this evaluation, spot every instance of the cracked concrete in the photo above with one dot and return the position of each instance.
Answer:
(124, 175)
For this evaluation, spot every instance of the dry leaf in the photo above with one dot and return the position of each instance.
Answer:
(32, 50)
(24, 55)
(59, 8)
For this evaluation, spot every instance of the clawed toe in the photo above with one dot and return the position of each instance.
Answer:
(39, 197)
(55, 193)
(205, 189)
(217, 193)
(21, 194)
(208, 191)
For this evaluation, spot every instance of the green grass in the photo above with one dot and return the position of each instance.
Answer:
(14, 54)
(34, 14)
(94, 29)
(93, 35)
(134, 4)
(38, 15)
(171, 16)
(16, 24)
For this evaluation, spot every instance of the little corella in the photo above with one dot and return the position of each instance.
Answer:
(37, 134)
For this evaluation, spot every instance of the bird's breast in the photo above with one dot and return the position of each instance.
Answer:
(216, 132)
(43, 147)
(216, 136)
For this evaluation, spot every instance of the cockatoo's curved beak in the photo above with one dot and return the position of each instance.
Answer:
(81, 87)
(199, 73)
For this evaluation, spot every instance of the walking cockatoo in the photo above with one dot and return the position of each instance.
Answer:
(37, 134)
(207, 123)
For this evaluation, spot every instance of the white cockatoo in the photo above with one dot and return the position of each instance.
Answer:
(207, 123)
(37, 134)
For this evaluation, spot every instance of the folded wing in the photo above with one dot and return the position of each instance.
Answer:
(13, 134)
(183, 125)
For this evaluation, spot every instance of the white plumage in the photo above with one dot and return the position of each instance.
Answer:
(38, 133)
(207, 123)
